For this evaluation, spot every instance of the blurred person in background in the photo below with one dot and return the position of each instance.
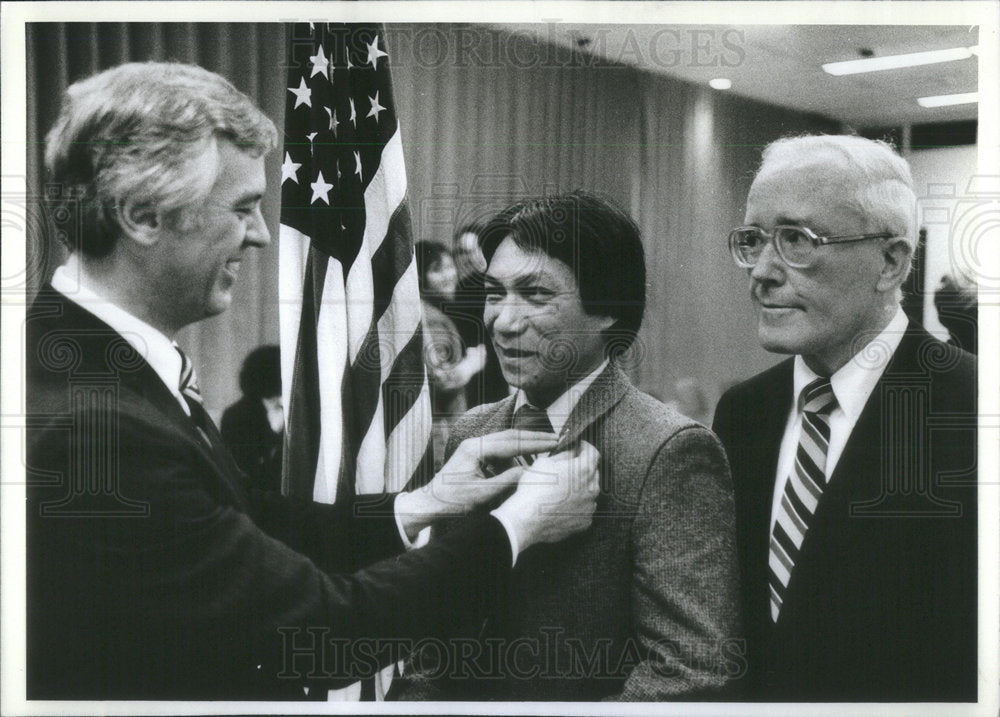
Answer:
(253, 428)
(450, 366)
(958, 311)
(466, 310)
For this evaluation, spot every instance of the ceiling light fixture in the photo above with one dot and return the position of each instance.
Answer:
(720, 83)
(946, 100)
(892, 62)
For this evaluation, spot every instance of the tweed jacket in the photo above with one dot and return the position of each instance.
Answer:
(643, 605)
(882, 601)
(152, 573)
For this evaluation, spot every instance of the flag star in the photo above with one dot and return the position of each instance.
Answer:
(303, 95)
(336, 166)
(357, 166)
(374, 53)
(321, 189)
(311, 136)
(289, 169)
(376, 107)
(349, 65)
(333, 120)
(354, 114)
(319, 64)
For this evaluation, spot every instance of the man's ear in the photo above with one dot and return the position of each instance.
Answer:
(896, 255)
(140, 221)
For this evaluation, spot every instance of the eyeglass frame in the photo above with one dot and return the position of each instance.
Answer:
(816, 239)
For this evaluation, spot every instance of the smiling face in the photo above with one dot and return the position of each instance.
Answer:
(199, 253)
(544, 339)
(823, 311)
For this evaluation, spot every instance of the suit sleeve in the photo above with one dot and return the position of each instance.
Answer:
(342, 537)
(197, 580)
(684, 591)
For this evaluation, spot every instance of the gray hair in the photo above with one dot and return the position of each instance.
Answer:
(143, 132)
(884, 187)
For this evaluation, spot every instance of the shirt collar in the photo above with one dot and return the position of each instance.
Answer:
(854, 382)
(159, 352)
(559, 410)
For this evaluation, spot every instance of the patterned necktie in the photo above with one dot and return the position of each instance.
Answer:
(802, 490)
(192, 395)
(529, 418)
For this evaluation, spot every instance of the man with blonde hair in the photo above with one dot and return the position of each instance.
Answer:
(854, 462)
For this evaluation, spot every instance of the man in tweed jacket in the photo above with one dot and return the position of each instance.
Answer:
(643, 605)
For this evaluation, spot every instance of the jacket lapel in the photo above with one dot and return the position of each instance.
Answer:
(607, 390)
(104, 350)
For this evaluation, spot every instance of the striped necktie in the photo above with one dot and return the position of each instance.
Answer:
(802, 490)
(188, 386)
(189, 381)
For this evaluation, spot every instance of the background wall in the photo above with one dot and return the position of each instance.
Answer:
(478, 132)
(942, 179)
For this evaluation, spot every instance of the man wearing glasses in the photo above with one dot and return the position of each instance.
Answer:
(854, 461)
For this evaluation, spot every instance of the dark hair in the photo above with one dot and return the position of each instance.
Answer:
(428, 253)
(260, 376)
(594, 238)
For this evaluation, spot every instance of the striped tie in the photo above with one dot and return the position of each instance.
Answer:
(803, 489)
(189, 381)
(192, 396)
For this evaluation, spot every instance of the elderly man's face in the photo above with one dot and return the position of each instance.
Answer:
(201, 257)
(825, 312)
(543, 337)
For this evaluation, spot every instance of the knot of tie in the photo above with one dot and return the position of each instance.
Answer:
(818, 397)
(529, 418)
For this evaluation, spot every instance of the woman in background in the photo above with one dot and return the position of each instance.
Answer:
(253, 428)
(449, 366)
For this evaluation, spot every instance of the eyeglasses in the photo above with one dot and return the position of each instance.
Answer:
(798, 247)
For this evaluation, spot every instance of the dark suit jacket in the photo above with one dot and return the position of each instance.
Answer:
(643, 605)
(882, 601)
(151, 573)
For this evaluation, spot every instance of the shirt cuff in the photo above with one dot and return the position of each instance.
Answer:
(423, 537)
(511, 535)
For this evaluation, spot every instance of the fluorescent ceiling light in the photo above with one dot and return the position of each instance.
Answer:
(892, 62)
(720, 83)
(945, 100)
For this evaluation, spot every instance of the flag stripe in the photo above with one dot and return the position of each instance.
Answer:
(304, 406)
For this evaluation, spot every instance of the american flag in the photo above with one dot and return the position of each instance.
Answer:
(356, 393)
(355, 389)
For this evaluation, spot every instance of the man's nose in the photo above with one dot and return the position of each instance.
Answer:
(505, 316)
(769, 266)
(257, 233)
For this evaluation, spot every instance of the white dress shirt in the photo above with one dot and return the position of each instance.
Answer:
(156, 349)
(559, 410)
(852, 385)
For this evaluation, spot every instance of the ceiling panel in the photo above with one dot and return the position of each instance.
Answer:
(781, 64)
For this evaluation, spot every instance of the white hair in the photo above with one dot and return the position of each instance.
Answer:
(883, 184)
